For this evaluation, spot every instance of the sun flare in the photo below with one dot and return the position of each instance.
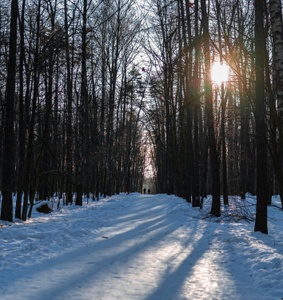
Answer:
(219, 72)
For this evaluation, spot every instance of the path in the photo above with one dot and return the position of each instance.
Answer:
(138, 249)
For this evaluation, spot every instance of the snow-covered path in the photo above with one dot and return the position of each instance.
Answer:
(135, 246)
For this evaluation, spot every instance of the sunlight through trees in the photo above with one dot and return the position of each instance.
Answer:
(81, 82)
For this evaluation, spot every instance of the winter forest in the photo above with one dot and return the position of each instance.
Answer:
(97, 95)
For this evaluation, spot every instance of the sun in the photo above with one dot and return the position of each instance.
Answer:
(219, 72)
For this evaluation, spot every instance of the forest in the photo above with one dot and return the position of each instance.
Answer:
(96, 95)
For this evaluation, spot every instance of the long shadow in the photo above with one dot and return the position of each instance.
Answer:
(174, 279)
(252, 281)
(156, 228)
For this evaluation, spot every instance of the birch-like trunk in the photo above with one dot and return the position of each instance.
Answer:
(277, 33)
(277, 112)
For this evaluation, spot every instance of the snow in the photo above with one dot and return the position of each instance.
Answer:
(143, 247)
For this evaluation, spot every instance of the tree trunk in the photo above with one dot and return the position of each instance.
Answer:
(223, 112)
(8, 155)
(223, 140)
(277, 117)
(29, 160)
(22, 129)
(69, 160)
(196, 108)
(214, 160)
(260, 111)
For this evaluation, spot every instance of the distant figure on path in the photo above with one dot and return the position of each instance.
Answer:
(144, 190)
(148, 191)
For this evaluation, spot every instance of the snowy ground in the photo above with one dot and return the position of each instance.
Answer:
(143, 247)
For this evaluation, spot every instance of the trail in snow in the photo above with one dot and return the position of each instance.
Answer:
(144, 247)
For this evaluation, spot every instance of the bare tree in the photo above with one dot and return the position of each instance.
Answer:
(69, 149)
(8, 154)
(214, 159)
(30, 171)
(261, 142)
(22, 129)
(277, 90)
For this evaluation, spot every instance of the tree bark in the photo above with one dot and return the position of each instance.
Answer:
(69, 157)
(214, 160)
(29, 181)
(260, 111)
(22, 131)
(277, 115)
(8, 155)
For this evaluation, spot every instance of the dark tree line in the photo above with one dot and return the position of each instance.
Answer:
(214, 138)
(85, 83)
(70, 115)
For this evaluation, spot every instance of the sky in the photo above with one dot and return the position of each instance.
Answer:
(143, 247)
